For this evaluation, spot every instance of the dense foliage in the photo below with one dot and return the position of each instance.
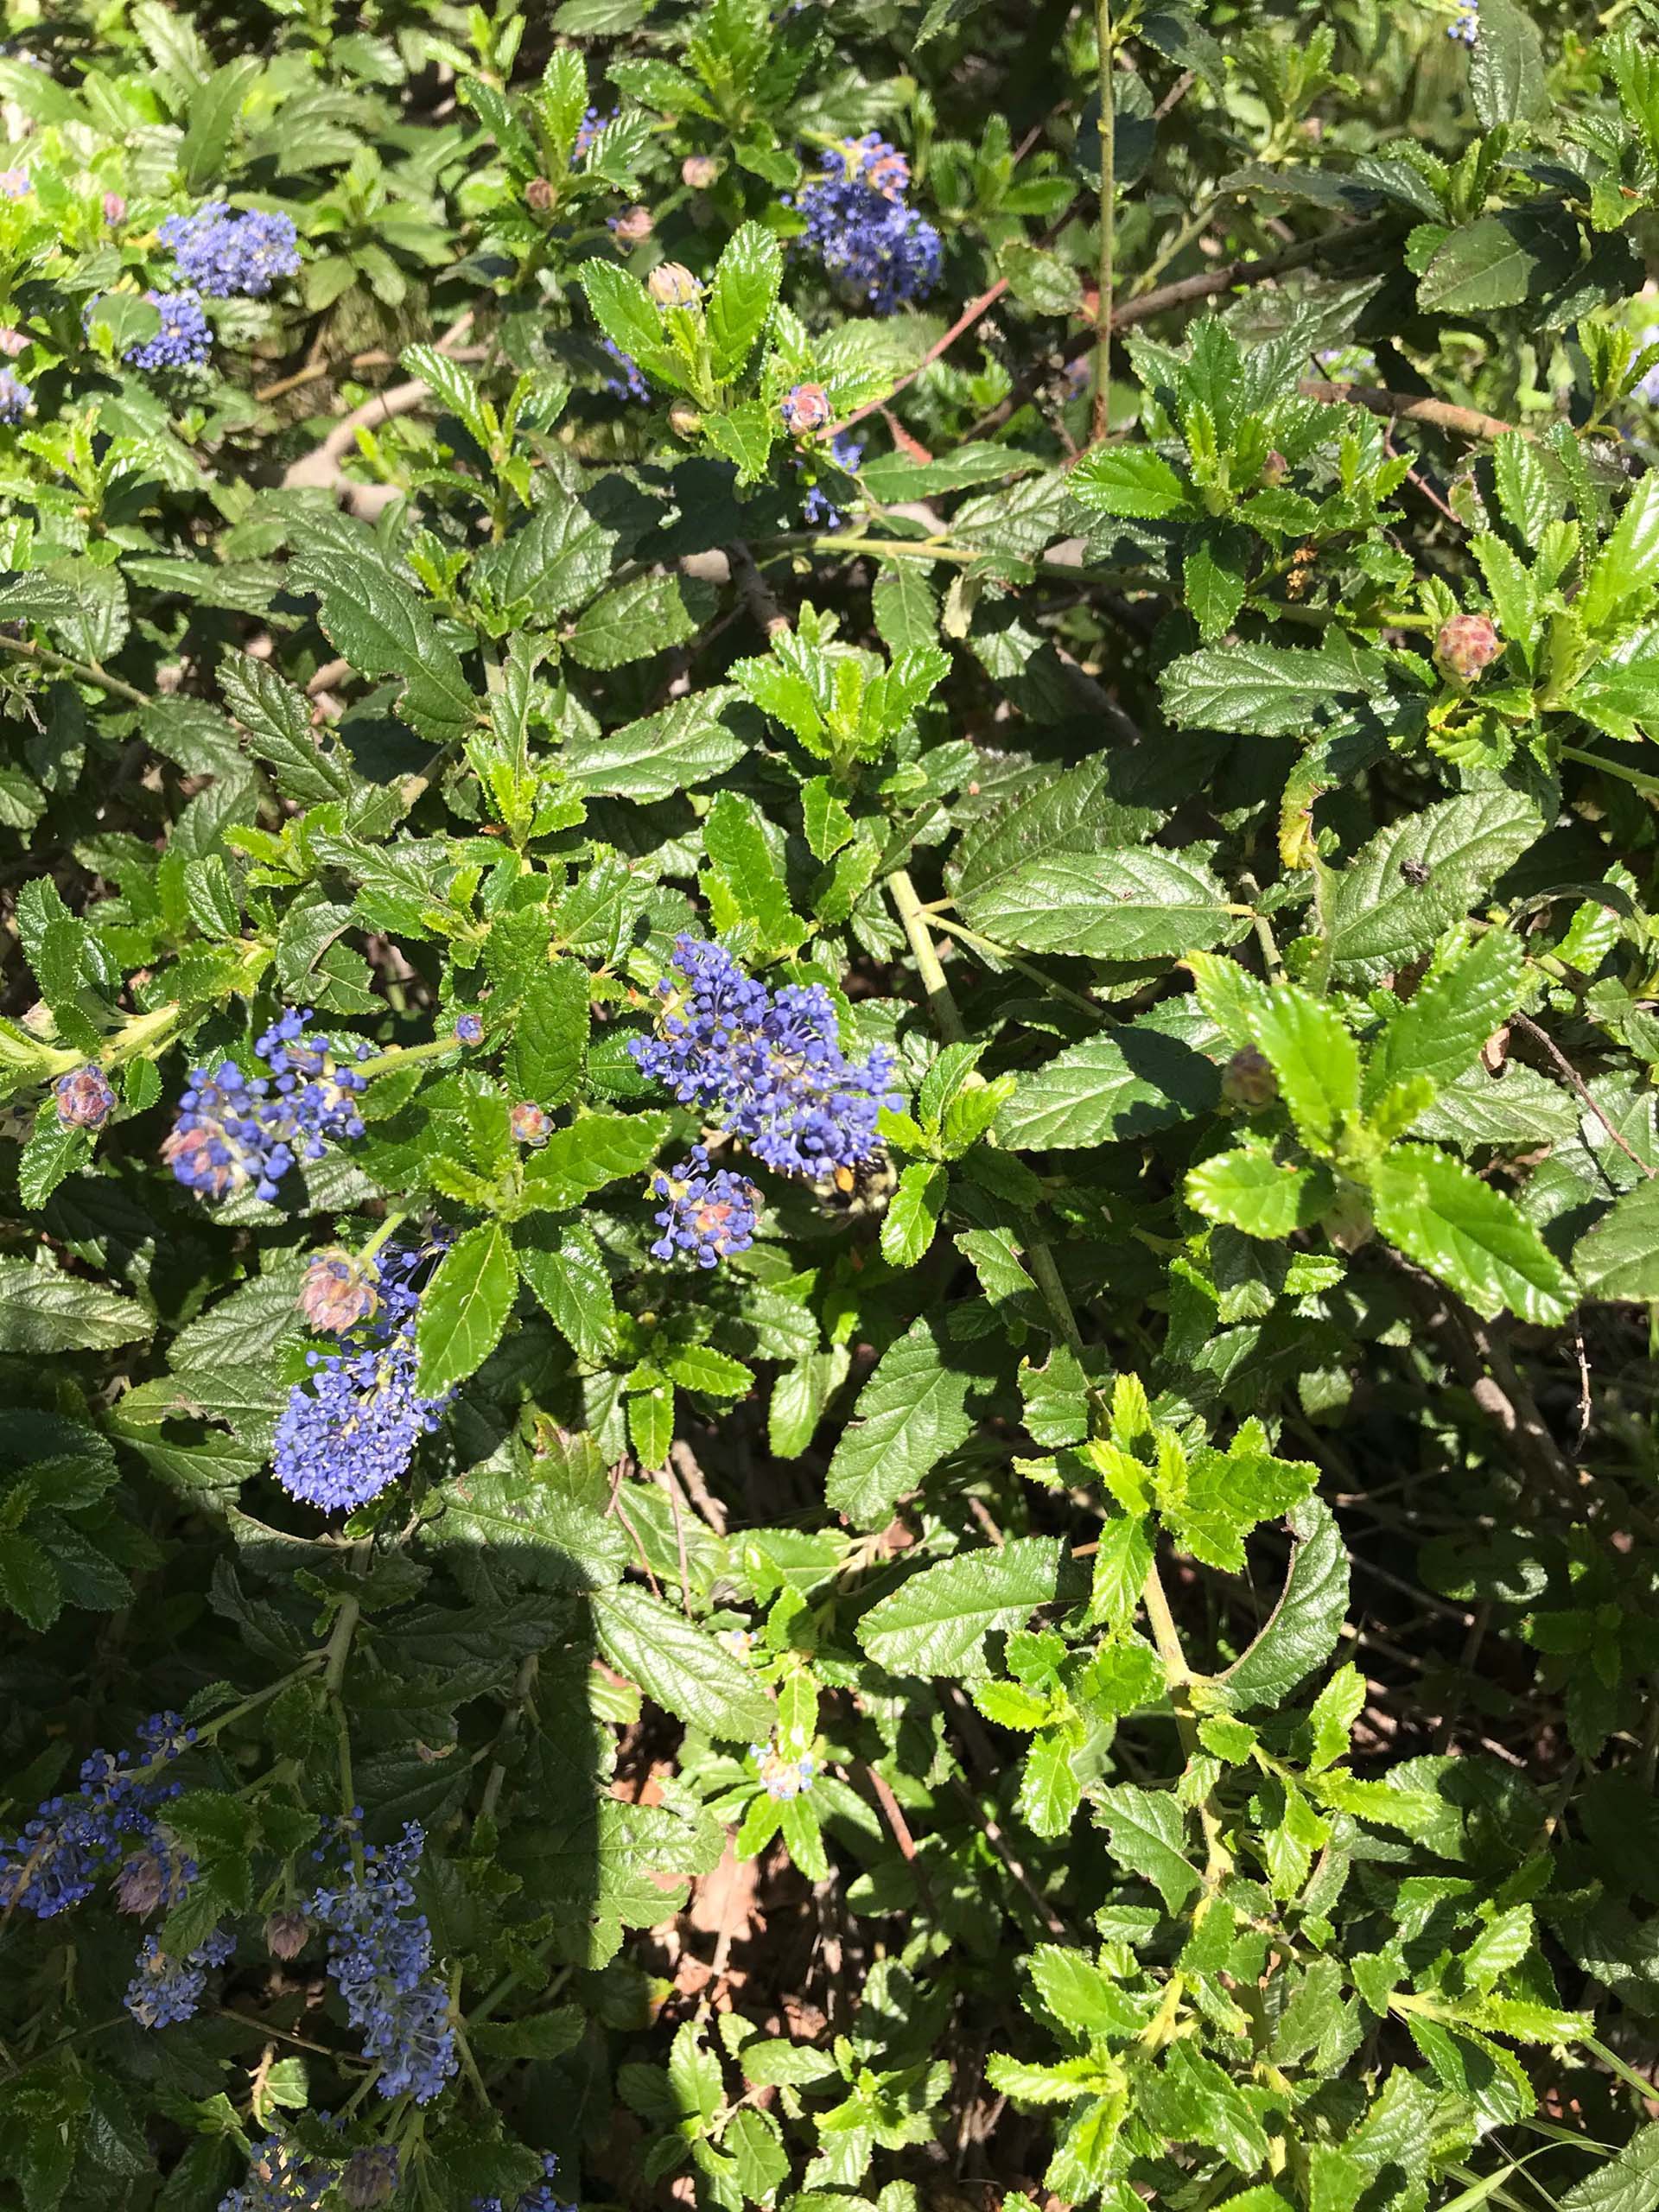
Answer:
(831, 1158)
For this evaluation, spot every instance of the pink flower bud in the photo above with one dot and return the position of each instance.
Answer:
(287, 1934)
(12, 343)
(1466, 645)
(84, 1099)
(805, 408)
(538, 195)
(1248, 1081)
(683, 420)
(115, 207)
(530, 1123)
(339, 1290)
(699, 171)
(672, 285)
(632, 226)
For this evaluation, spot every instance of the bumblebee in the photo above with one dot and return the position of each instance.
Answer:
(862, 1190)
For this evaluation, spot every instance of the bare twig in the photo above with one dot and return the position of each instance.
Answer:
(1525, 1021)
(322, 466)
(1408, 407)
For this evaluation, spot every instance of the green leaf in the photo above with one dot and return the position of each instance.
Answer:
(1072, 813)
(1122, 1563)
(646, 615)
(1215, 575)
(936, 1622)
(1134, 904)
(1629, 2182)
(1082, 1996)
(747, 279)
(1149, 1834)
(565, 1268)
(1314, 1057)
(1619, 1257)
(28, 1582)
(908, 1225)
(1472, 1237)
(1303, 1630)
(906, 608)
(1628, 563)
(1422, 874)
(623, 309)
(690, 742)
(911, 1413)
(1050, 1792)
(598, 1149)
(1442, 1026)
(1129, 480)
(549, 1036)
(755, 2147)
(735, 838)
(42, 1312)
(1148, 1075)
(699, 1367)
(745, 434)
(1498, 261)
(465, 1308)
(1254, 1191)
(380, 624)
(211, 120)
(1264, 690)
(680, 1666)
(1507, 79)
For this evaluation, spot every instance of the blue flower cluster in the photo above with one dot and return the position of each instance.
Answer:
(708, 1217)
(165, 1991)
(234, 1130)
(380, 1959)
(14, 396)
(869, 239)
(280, 2178)
(845, 452)
(1466, 28)
(16, 184)
(221, 253)
(56, 1860)
(783, 1774)
(628, 384)
(767, 1066)
(1648, 387)
(350, 1429)
(184, 342)
(541, 2198)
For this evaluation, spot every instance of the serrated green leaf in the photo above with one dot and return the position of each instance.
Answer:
(1303, 1629)
(1254, 1191)
(680, 1666)
(911, 1413)
(1472, 1237)
(936, 1622)
(465, 1307)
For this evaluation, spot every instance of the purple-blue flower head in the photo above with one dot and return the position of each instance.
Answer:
(220, 253)
(184, 342)
(708, 1216)
(380, 1961)
(630, 384)
(870, 241)
(57, 1858)
(845, 452)
(542, 2197)
(350, 1429)
(766, 1066)
(469, 1029)
(221, 1142)
(164, 1991)
(15, 397)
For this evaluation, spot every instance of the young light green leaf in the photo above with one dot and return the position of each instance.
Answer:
(1472, 1237)
(465, 1308)
(1251, 1190)
(1314, 1057)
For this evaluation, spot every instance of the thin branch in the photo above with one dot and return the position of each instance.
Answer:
(1525, 1021)
(970, 315)
(83, 671)
(1103, 409)
(1408, 407)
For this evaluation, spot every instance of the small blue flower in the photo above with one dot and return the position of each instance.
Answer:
(870, 242)
(14, 396)
(469, 1029)
(1647, 388)
(846, 452)
(221, 253)
(16, 184)
(184, 342)
(380, 1961)
(220, 1142)
(164, 1991)
(350, 1430)
(783, 1774)
(768, 1067)
(1466, 28)
(708, 1217)
(590, 127)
